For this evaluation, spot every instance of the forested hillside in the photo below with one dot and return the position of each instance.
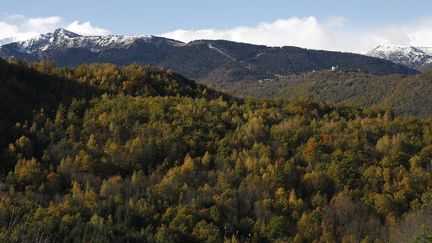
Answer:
(140, 154)
(405, 95)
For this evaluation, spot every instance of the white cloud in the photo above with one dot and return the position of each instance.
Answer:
(19, 27)
(422, 34)
(7, 29)
(42, 24)
(86, 28)
(335, 33)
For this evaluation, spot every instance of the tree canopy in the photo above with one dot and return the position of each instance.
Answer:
(140, 154)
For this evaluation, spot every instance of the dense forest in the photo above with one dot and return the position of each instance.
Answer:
(100, 153)
(405, 95)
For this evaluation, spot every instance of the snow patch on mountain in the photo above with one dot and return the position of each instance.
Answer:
(210, 46)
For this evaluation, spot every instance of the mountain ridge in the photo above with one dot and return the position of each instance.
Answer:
(206, 61)
(62, 38)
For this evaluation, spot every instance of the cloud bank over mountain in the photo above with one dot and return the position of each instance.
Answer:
(334, 33)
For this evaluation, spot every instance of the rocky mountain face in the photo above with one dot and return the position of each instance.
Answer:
(410, 56)
(207, 61)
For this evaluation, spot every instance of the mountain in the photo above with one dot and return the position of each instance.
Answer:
(410, 56)
(46, 46)
(404, 95)
(207, 61)
(62, 39)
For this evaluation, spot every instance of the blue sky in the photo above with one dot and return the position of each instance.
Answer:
(154, 17)
(192, 16)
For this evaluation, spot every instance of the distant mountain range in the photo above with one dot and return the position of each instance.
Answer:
(207, 61)
(410, 56)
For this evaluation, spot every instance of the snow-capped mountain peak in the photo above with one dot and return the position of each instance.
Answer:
(411, 56)
(62, 39)
(65, 33)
